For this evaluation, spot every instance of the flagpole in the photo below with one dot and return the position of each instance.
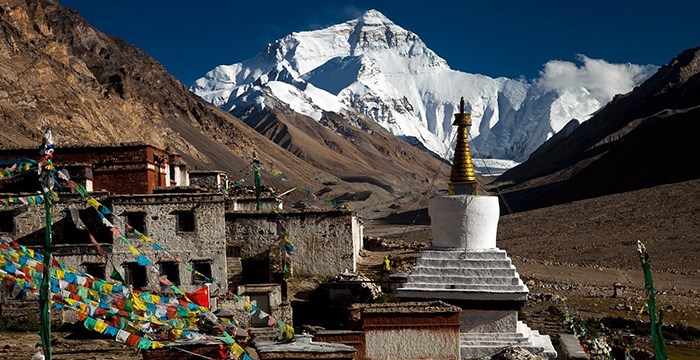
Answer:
(46, 179)
(45, 330)
(657, 338)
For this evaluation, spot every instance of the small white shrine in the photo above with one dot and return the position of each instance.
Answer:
(464, 266)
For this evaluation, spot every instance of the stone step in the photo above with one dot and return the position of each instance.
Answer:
(458, 287)
(472, 264)
(463, 280)
(491, 336)
(265, 334)
(523, 342)
(477, 351)
(461, 255)
(464, 271)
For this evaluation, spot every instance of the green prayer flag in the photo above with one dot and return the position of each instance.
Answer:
(116, 275)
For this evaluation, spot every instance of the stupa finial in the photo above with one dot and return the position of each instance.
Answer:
(462, 177)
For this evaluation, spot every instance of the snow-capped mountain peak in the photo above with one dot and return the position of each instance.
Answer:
(375, 67)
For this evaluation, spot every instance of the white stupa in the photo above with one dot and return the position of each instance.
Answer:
(465, 267)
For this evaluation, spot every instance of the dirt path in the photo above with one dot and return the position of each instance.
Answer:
(20, 346)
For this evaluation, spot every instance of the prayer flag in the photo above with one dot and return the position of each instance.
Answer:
(133, 340)
(111, 330)
(134, 250)
(90, 323)
(142, 260)
(144, 344)
(100, 326)
(164, 280)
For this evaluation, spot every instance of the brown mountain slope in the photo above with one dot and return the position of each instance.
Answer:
(57, 71)
(356, 150)
(90, 88)
(641, 139)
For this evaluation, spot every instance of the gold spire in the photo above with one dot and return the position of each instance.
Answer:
(462, 177)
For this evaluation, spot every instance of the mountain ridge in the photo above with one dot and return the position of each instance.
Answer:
(375, 67)
(641, 139)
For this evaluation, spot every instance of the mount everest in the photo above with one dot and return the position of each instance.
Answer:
(374, 67)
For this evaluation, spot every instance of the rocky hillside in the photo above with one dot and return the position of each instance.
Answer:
(57, 71)
(642, 139)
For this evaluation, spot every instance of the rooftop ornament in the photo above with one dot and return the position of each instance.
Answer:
(462, 177)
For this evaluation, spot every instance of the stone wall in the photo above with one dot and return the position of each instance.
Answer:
(278, 308)
(326, 243)
(205, 242)
(71, 246)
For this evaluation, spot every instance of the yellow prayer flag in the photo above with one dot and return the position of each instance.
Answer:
(100, 326)
(60, 274)
(94, 203)
(155, 320)
(145, 238)
(156, 345)
(134, 250)
(137, 303)
(14, 257)
(107, 288)
(155, 299)
(238, 350)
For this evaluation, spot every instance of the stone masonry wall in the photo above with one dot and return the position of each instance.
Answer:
(324, 242)
(205, 243)
(72, 248)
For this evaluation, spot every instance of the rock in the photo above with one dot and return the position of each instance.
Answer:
(516, 353)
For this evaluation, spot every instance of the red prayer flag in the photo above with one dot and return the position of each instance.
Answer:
(200, 297)
(164, 280)
(133, 340)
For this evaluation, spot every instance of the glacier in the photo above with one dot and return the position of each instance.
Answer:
(372, 66)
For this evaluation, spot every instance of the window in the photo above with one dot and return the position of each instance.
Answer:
(95, 269)
(71, 234)
(171, 270)
(172, 173)
(185, 221)
(136, 275)
(233, 251)
(7, 221)
(137, 220)
(204, 268)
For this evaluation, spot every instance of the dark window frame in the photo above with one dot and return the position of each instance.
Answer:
(167, 268)
(203, 266)
(7, 222)
(131, 269)
(233, 251)
(187, 226)
(137, 220)
(89, 269)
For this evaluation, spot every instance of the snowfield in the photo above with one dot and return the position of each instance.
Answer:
(372, 66)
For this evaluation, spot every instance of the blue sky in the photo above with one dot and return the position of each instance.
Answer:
(509, 38)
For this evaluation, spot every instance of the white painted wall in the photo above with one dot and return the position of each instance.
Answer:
(464, 221)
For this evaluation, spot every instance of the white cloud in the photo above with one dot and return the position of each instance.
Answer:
(597, 78)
